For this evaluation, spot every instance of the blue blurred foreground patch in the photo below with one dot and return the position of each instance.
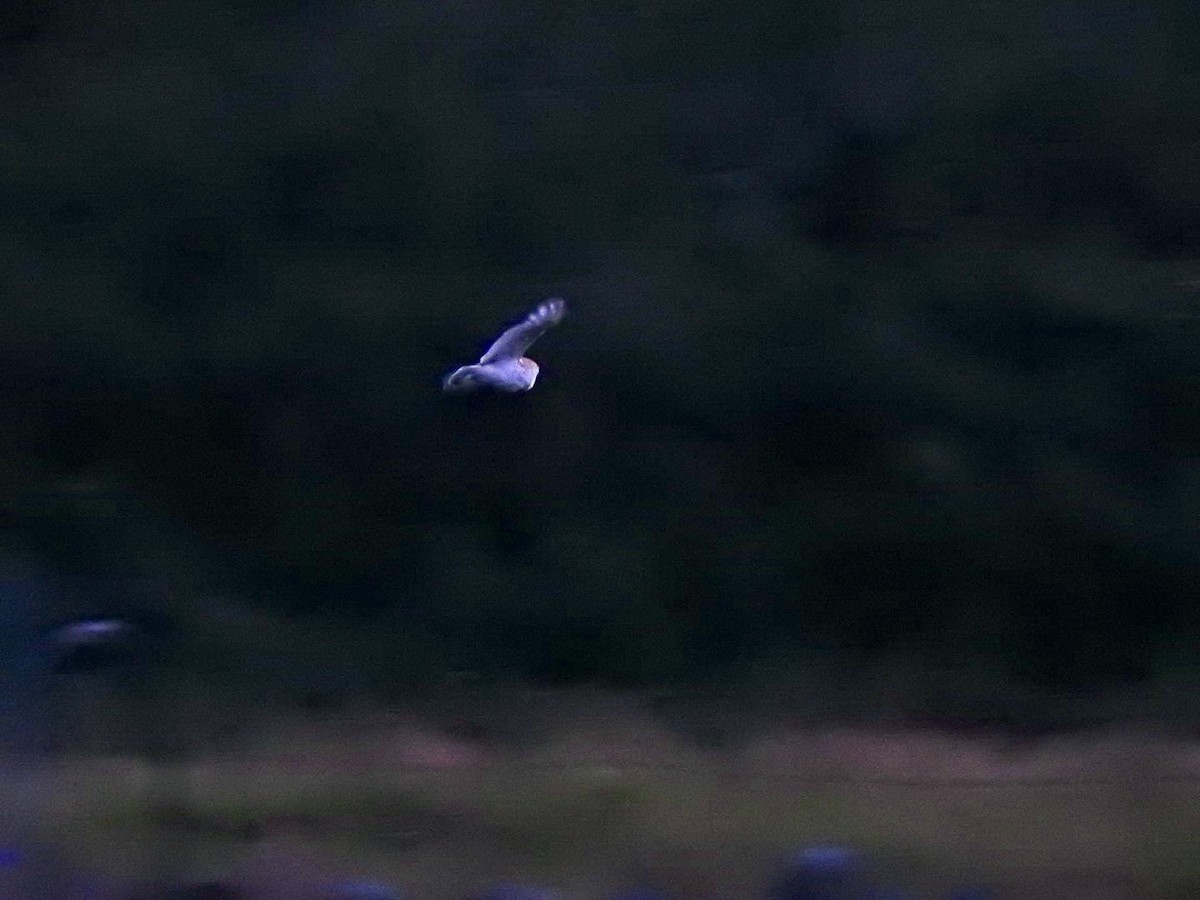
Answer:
(360, 890)
(822, 872)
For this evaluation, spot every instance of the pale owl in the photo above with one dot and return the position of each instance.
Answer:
(503, 367)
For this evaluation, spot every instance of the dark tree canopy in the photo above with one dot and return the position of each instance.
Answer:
(882, 340)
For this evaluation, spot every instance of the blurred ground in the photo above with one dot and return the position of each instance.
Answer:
(603, 793)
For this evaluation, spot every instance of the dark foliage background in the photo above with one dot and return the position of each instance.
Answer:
(882, 341)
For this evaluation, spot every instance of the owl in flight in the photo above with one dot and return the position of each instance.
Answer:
(503, 367)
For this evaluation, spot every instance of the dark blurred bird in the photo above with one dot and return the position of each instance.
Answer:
(93, 632)
(97, 642)
(503, 367)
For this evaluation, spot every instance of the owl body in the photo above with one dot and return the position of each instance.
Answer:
(503, 368)
(509, 376)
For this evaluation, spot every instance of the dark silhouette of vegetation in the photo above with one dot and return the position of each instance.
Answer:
(882, 345)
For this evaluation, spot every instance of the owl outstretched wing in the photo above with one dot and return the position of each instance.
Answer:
(514, 342)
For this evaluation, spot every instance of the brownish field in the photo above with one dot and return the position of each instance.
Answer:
(604, 795)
